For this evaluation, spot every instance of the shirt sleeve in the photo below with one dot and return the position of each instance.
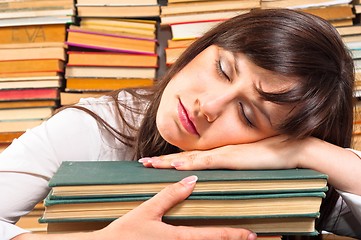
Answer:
(345, 220)
(30, 161)
(9, 231)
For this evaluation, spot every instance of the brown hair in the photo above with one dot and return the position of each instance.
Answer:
(290, 43)
(287, 42)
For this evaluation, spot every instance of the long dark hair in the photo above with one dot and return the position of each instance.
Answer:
(287, 42)
(290, 43)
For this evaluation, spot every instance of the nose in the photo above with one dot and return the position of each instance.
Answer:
(213, 105)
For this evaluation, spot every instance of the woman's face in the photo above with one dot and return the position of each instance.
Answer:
(213, 102)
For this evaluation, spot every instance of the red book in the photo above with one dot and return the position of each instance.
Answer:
(29, 94)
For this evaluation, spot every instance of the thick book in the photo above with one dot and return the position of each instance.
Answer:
(18, 125)
(301, 224)
(30, 84)
(33, 33)
(8, 137)
(105, 84)
(29, 94)
(193, 29)
(200, 16)
(118, 11)
(111, 59)
(131, 28)
(209, 6)
(68, 98)
(98, 40)
(31, 65)
(33, 113)
(130, 178)
(109, 72)
(301, 3)
(32, 53)
(194, 207)
(27, 104)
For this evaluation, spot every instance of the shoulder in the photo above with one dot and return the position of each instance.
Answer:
(107, 107)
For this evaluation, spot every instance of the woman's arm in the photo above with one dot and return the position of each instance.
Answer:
(341, 165)
(30, 161)
(145, 222)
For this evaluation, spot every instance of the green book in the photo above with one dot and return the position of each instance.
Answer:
(87, 179)
(288, 225)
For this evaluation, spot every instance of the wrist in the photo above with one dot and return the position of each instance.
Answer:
(309, 148)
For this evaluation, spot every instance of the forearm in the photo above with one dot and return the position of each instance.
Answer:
(341, 165)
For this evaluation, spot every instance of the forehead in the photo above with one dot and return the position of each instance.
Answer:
(266, 80)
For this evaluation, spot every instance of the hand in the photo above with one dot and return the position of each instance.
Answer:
(271, 153)
(145, 222)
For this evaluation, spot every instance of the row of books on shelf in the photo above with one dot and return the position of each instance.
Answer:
(48, 59)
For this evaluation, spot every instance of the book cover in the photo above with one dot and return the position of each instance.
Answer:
(208, 6)
(29, 94)
(332, 12)
(301, 224)
(199, 209)
(31, 65)
(36, 13)
(116, 2)
(118, 11)
(301, 3)
(67, 98)
(110, 42)
(129, 178)
(194, 29)
(111, 59)
(33, 33)
(106, 84)
(27, 104)
(35, 4)
(32, 53)
(18, 126)
(8, 137)
(25, 113)
(109, 72)
(43, 20)
(30, 84)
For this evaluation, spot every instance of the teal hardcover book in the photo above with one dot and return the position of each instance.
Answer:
(128, 178)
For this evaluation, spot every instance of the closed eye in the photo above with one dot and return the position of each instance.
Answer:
(244, 116)
(220, 71)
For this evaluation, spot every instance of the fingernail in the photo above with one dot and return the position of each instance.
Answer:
(145, 160)
(252, 236)
(176, 164)
(190, 180)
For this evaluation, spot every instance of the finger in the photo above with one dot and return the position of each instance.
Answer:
(170, 196)
(165, 161)
(208, 233)
(198, 160)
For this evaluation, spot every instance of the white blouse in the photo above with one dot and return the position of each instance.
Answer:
(73, 135)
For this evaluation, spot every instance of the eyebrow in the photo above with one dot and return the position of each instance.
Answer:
(254, 103)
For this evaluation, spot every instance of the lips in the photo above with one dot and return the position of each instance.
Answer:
(185, 120)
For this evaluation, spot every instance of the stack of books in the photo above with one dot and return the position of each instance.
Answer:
(190, 19)
(356, 134)
(30, 221)
(109, 49)
(32, 57)
(88, 195)
(339, 12)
